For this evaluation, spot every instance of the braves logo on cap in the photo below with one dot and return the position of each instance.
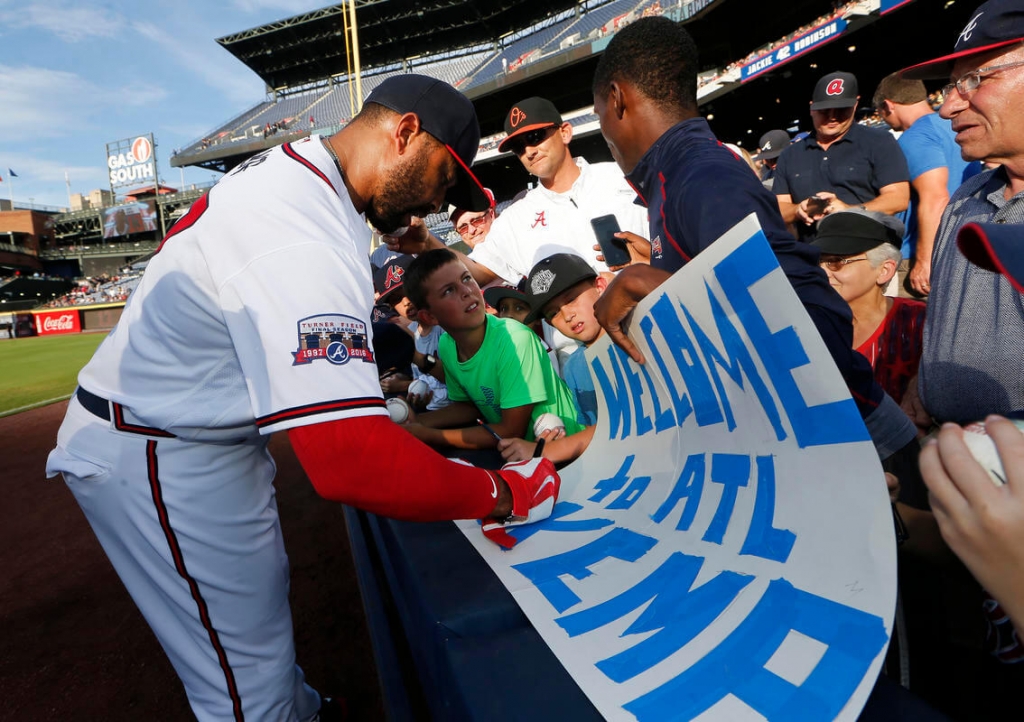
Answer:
(966, 33)
(835, 87)
(394, 277)
(516, 116)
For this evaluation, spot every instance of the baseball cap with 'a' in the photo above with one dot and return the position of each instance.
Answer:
(995, 24)
(530, 114)
(835, 90)
(449, 116)
(772, 144)
(390, 277)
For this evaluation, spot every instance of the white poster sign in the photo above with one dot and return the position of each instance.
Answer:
(724, 550)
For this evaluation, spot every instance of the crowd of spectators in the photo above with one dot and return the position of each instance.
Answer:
(862, 225)
(98, 289)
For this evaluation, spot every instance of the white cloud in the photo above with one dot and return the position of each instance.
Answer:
(69, 22)
(43, 103)
(205, 59)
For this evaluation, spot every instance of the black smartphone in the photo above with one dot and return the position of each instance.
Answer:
(816, 205)
(613, 249)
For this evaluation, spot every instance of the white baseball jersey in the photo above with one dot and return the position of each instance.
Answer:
(543, 223)
(254, 315)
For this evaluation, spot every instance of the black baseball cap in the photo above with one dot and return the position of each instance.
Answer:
(527, 115)
(495, 294)
(854, 231)
(835, 90)
(550, 277)
(771, 145)
(993, 25)
(391, 276)
(449, 116)
(997, 247)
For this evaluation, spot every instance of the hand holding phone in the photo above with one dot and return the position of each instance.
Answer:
(816, 206)
(613, 249)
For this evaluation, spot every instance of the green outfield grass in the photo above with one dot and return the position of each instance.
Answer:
(34, 371)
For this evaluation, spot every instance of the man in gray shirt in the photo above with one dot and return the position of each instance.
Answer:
(973, 360)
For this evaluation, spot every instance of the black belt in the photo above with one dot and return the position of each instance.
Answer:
(97, 405)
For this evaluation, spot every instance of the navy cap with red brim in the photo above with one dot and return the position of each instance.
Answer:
(997, 247)
(942, 68)
(449, 116)
(995, 24)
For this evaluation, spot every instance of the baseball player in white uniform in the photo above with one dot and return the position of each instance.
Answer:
(253, 318)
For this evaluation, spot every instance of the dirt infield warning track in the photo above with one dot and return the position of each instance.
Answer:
(73, 646)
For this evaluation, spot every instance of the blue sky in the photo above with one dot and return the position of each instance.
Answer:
(76, 75)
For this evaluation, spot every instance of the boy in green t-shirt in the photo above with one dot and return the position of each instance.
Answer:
(562, 289)
(496, 369)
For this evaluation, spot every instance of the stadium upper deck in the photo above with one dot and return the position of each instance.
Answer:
(498, 53)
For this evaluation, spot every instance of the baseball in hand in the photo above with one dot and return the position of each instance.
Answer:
(546, 422)
(984, 450)
(418, 388)
(398, 410)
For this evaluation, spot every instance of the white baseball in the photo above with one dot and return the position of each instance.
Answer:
(546, 422)
(398, 410)
(418, 388)
(984, 450)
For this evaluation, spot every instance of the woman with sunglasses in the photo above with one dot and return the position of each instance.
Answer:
(860, 252)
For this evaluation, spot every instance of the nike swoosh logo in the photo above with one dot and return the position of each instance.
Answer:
(494, 494)
(549, 480)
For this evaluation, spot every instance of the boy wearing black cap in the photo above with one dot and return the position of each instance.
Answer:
(841, 165)
(562, 289)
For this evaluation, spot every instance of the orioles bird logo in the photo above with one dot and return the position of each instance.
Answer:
(516, 117)
(835, 87)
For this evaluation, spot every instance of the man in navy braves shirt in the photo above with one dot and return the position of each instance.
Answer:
(695, 189)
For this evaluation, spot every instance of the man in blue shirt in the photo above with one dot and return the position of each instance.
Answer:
(841, 165)
(936, 168)
(645, 94)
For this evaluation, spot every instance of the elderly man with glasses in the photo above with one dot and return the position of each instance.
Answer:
(972, 363)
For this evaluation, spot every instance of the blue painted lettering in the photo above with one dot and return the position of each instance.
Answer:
(676, 614)
(764, 540)
(837, 422)
(738, 365)
(689, 486)
(619, 543)
(854, 638)
(731, 471)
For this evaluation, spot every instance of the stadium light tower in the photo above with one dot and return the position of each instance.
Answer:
(353, 28)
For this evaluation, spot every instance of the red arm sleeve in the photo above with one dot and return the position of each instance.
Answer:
(371, 463)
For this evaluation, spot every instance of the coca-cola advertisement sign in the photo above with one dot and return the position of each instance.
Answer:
(53, 322)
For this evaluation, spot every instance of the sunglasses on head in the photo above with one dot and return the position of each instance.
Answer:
(519, 144)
